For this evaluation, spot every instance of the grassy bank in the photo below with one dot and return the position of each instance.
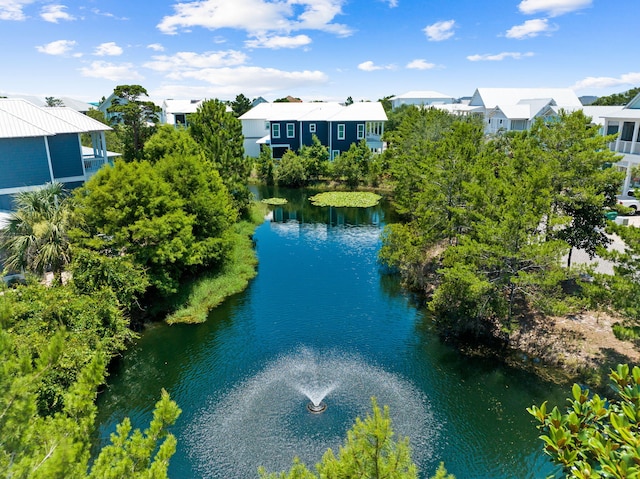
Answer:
(199, 296)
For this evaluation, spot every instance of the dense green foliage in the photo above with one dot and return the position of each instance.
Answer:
(488, 221)
(290, 170)
(172, 218)
(369, 452)
(595, 437)
(219, 134)
(54, 348)
(352, 166)
(240, 105)
(134, 119)
(618, 98)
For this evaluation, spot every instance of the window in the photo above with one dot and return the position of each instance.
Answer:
(341, 131)
(275, 130)
(266, 125)
(612, 128)
(291, 130)
(360, 131)
(335, 154)
(627, 131)
(312, 127)
(181, 119)
(374, 128)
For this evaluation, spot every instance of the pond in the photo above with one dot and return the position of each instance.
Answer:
(323, 321)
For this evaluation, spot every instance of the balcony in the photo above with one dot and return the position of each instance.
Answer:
(625, 147)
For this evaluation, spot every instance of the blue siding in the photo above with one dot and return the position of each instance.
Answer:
(351, 135)
(23, 162)
(6, 202)
(322, 132)
(66, 156)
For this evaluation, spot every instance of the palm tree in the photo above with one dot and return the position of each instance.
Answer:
(35, 238)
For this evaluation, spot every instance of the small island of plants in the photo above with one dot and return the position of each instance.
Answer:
(274, 201)
(352, 199)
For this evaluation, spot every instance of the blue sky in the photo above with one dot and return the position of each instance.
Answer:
(316, 49)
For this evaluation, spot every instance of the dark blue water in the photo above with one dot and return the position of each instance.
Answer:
(321, 312)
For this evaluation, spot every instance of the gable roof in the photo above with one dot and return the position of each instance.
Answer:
(492, 97)
(181, 106)
(20, 118)
(317, 111)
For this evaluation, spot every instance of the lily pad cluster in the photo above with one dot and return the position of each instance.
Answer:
(352, 199)
(275, 201)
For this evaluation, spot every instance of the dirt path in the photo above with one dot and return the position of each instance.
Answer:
(575, 343)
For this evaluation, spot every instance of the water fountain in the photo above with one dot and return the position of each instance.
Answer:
(266, 419)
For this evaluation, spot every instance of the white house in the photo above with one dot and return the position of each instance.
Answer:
(421, 98)
(507, 109)
(174, 112)
(626, 123)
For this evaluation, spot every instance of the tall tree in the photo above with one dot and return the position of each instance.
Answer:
(136, 116)
(219, 133)
(51, 101)
(35, 237)
(240, 105)
(315, 158)
(131, 209)
(582, 187)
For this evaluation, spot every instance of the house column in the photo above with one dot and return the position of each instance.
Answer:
(634, 138)
(84, 172)
(46, 146)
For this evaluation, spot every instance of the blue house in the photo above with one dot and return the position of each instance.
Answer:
(40, 145)
(288, 126)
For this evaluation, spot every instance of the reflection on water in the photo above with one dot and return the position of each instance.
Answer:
(320, 293)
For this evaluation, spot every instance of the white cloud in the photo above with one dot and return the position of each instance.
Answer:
(631, 79)
(110, 71)
(499, 57)
(108, 49)
(156, 47)
(277, 42)
(12, 9)
(188, 61)
(440, 30)
(530, 29)
(420, 64)
(95, 11)
(59, 47)
(392, 3)
(553, 8)
(257, 16)
(53, 13)
(369, 66)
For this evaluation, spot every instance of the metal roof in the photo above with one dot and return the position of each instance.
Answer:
(317, 111)
(21, 118)
(81, 121)
(13, 127)
(492, 97)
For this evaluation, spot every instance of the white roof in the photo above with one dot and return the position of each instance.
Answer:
(422, 94)
(13, 127)
(88, 151)
(72, 103)
(83, 122)
(599, 113)
(361, 111)
(492, 97)
(456, 107)
(21, 118)
(317, 111)
(279, 111)
(181, 106)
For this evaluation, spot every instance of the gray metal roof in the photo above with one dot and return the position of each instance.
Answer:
(13, 127)
(20, 118)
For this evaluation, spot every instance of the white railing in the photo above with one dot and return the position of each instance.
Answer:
(626, 147)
